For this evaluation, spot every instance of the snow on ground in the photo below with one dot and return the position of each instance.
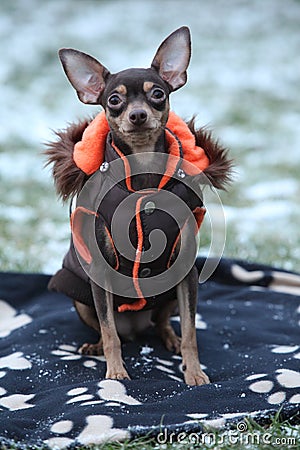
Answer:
(243, 82)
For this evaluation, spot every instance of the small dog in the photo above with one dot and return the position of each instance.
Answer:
(158, 153)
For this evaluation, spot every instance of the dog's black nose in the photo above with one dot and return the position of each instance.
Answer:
(138, 116)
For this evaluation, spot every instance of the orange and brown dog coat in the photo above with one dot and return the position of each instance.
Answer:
(152, 209)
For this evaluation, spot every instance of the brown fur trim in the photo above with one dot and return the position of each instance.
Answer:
(68, 178)
(219, 171)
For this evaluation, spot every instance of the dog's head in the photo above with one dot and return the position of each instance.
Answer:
(136, 101)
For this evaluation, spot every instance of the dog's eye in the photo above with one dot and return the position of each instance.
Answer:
(114, 101)
(158, 95)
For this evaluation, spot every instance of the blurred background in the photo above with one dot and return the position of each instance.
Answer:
(244, 83)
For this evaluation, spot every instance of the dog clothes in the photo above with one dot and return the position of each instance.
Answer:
(166, 207)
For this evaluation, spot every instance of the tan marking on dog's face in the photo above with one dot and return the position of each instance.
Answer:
(141, 139)
(148, 85)
(121, 89)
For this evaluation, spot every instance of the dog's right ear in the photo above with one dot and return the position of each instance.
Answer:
(85, 73)
(172, 58)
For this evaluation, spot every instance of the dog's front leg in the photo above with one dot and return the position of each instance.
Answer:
(111, 342)
(187, 301)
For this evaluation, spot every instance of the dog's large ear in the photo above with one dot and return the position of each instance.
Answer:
(173, 57)
(85, 73)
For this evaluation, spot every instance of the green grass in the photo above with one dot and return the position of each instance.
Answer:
(278, 434)
(281, 435)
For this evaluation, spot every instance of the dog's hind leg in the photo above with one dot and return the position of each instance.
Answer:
(89, 316)
(161, 318)
(92, 349)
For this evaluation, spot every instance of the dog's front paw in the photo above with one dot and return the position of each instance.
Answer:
(195, 377)
(117, 374)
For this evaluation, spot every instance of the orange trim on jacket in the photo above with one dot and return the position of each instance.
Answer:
(76, 227)
(141, 302)
(89, 152)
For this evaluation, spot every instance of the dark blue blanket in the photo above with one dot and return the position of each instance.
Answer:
(248, 336)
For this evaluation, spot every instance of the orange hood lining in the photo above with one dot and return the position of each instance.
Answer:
(89, 153)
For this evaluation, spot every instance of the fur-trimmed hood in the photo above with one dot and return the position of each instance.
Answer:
(78, 153)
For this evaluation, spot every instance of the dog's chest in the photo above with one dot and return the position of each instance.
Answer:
(148, 221)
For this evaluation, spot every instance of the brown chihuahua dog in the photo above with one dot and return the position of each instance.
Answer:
(140, 155)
